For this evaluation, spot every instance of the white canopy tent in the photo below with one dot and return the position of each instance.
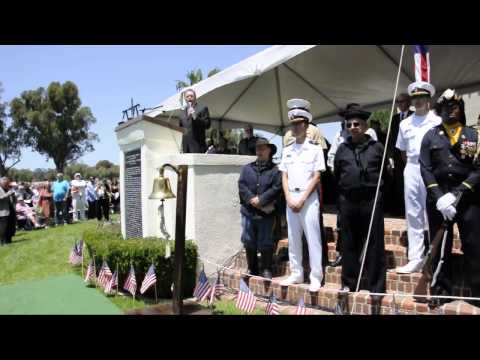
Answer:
(256, 89)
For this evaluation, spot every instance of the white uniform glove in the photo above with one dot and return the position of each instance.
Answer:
(445, 201)
(449, 212)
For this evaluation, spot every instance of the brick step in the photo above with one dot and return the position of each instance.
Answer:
(358, 303)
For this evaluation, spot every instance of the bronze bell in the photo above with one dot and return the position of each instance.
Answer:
(161, 188)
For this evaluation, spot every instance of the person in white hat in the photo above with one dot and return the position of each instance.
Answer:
(301, 165)
(79, 197)
(409, 141)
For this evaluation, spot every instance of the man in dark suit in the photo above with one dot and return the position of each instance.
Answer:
(7, 212)
(394, 194)
(195, 118)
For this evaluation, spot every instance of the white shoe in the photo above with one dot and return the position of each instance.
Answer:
(292, 279)
(315, 285)
(411, 267)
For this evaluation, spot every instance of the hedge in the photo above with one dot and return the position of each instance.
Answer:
(108, 244)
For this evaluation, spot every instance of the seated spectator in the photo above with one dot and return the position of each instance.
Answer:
(247, 144)
(25, 216)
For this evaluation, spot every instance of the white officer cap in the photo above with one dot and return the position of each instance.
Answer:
(299, 109)
(421, 88)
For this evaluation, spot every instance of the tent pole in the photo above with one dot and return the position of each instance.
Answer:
(392, 59)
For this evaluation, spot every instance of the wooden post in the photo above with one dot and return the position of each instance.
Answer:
(180, 238)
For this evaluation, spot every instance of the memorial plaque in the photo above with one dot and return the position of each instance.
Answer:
(133, 194)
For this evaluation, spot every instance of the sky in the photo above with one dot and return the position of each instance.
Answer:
(108, 77)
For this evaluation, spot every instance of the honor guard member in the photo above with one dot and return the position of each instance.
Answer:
(301, 164)
(357, 167)
(450, 166)
(409, 141)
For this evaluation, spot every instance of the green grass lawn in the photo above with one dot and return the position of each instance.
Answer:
(44, 253)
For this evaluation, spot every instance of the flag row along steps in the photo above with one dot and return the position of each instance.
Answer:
(359, 303)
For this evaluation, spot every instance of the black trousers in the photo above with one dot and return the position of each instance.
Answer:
(338, 245)
(7, 230)
(92, 209)
(468, 222)
(355, 213)
(103, 209)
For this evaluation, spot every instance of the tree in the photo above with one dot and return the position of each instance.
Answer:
(193, 77)
(54, 123)
(11, 141)
(383, 116)
(104, 164)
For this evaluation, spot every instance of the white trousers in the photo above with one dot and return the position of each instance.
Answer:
(78, 205)
(307, 220)
(415, 210)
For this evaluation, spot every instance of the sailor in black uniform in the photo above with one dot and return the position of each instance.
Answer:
(450, 170)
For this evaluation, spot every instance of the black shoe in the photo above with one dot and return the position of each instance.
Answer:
(252, 261)
(267, 259)
(337, 262)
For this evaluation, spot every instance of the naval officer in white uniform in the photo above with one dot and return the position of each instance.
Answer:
(409, 141)
(302, 162)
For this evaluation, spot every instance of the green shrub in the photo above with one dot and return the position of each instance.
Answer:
(108, 244)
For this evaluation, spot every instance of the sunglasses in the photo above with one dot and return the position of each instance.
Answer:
(402, 101)
(354, 124)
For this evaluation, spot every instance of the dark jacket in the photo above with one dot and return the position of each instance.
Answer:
(447, 168)
(264, 181)
(194, 138)
(358, 166)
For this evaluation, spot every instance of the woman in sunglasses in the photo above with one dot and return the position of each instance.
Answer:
(357, 169)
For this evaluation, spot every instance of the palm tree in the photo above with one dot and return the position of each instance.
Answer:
(193, 77)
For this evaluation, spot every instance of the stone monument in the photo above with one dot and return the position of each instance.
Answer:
(213, 208)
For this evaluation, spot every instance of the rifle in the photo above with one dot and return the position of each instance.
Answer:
(428, 279)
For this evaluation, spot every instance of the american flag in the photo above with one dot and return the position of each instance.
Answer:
(218, 289)
(131, 282)
(112, 283)
(272, 307)
(422, 63)
(104, 275)
(150, 279)
(203, 288)
(301, 309)
(90, 272)
(75, 257)
(246, 300)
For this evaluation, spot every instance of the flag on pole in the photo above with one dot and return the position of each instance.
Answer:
(149, 280)
(131, 282)
(301, 309)
(90, 272)
(272, 307)
(218, 289)
(203, 288)
(105, 275)
(112, 283)
(75, 257)
(246, 300)
(422, 63)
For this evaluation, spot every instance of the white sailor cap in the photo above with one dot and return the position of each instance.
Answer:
(421, 88)
(299, 110)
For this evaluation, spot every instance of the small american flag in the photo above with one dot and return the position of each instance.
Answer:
(218, 289)
(90, 272)
(150, 279)
(131, 282)
(203, 288)
(301, 309)
(272, 307)
(246, 300)
(105, 275)
(75, 257)
(112, 283)
(422, 63)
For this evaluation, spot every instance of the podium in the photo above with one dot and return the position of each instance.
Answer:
(213, 218)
